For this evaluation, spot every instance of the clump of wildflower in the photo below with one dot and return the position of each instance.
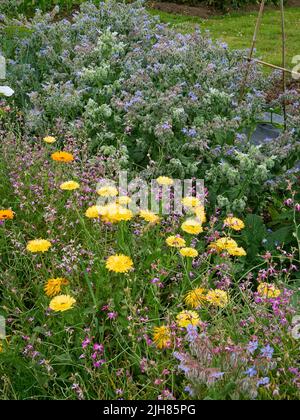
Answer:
(196, 297)
(189, 252)
(269, 291)
(186, 318)
(149, 216)
(53, 286)
(217, 298)
(69, 186)
(234, 223)
(49, 139)
(192, 226)
(63, 157)
(175, 242)
(164, 180)
(6, 214)
(162, 337)
(119, 263)
(38, 245)
(62, 303)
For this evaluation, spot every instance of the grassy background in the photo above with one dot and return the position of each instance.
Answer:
(237, 30)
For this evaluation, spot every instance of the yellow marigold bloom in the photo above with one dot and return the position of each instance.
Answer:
(62, 303)
(175, 242)
(200, 214)
(49, 139)
(53, 286)
(162, 337)
(189, 252)
(119, 263)
(69, 186)
(6, 214)
(149, 216)
(196, 297)
(267, 290)
(64, 157)
(192, 226)
(237, 252)
(164, 180)
(234, 223)
(186, 318)
(190, 202)
(114, 213)
(93, 212)
(124, 200)
(224, 244)
(38, 245)
(217, 298)
(107, 191)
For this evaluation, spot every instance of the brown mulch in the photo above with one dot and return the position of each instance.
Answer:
(208, 11)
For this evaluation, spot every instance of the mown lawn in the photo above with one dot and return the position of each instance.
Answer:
(237, 30)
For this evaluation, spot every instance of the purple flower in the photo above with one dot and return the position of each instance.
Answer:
(252, 346)
(263, 381)
(267, 352)
(251, 372)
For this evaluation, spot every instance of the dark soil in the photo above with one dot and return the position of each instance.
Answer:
(208, 11)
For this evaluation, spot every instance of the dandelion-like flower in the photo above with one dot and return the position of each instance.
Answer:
(149, 216)
(93, 212)
(53, 286)
(38, 245)
(6, 214)
(49, 139)
(162, 337)
(234, 223)
(189, 252)
(224, 244)
(237, 252)
(119, 263)
(190, 202)
(268, 290)
(114, 213)
(200, 214)
(192, 226)
(196, 297)
(107, 191)
(62, 303)
(186, 318)
(164, 180)
(124, 200)
(217, 298)
(175, 242)
(63, 157)
(69, 186)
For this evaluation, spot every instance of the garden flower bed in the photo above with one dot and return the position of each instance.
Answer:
(104, 301)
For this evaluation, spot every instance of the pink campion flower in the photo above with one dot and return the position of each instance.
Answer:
(289, 202)
(112, 315)
(98, 347)
(297, 207)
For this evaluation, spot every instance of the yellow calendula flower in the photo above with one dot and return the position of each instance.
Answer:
(192, 226)
(237, 252)
(38, 245)
(217, 298)
(224, 244)
(119, 263)
(53, 286)
(63, 157)
(93, 212)
(124, 200)
(268, 290)
(114, 213)
(196, 297)
(190, 202)
(6, 215)
(234, 223)
(200, 214)
(164, 180)
(49, 139)
(69, 186)
(149, 216)
(108, 191)
(186, 318)
(175, 242)
(189, 252)
(162, 337)
(62, 303)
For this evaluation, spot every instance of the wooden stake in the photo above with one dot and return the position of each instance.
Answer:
(283, 60)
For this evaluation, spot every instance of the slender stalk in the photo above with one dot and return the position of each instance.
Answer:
(283, 61)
